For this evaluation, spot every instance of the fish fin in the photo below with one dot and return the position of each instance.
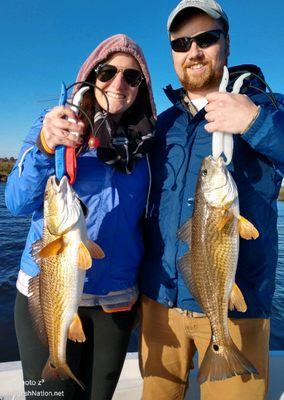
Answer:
(35, 309)
(51, 372)
(184, 232)
(185, 269)
(36, 248)
(246, 229)
(53, 248)
(224, 220)
(76, 332)
(237, 300)
(223, 362)
(84, 257)
(95, 250)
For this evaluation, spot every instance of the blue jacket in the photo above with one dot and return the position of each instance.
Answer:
(116, 203)
(257, 167)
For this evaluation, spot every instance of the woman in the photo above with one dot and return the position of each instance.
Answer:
(113, 181)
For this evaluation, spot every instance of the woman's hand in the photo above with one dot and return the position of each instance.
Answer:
(57, 130)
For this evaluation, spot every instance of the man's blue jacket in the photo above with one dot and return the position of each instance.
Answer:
(257, 167)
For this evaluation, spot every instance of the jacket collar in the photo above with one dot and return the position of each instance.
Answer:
(175, 96)
(253, 85)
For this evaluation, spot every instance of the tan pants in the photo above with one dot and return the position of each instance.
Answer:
(169, 340)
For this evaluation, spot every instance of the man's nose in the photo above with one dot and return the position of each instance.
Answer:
(195, 51)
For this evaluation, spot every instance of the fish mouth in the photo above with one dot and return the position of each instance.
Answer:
(224, 199)
(220, 164)
(62, 207)
(59, 186)
(62, 188)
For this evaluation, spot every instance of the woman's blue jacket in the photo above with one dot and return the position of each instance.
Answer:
(116, 204)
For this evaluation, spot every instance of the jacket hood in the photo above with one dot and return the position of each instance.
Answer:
(117, 43)
(253, 85)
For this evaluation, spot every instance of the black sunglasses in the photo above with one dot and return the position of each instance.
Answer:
(106, 72)
(203, 40)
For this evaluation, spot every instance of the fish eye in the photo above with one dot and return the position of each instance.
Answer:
(204, 172)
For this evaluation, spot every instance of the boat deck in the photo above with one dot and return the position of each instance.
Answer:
(130, 383)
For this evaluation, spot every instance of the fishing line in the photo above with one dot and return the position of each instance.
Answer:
(271, 98)
(274, 101)
(269, 95)
(46, 100)
(94, 86)
(84, 113)
(89, 120)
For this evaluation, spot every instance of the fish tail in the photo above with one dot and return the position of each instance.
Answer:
(222, 362)
(51, 372)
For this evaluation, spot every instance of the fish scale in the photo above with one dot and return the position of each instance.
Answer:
(58, 280)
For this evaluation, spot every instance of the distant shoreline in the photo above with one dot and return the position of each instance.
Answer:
(6, 164)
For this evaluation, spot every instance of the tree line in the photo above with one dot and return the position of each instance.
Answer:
(6, 164)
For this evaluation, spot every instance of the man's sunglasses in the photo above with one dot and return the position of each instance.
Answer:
(203, 40)
(106, 72)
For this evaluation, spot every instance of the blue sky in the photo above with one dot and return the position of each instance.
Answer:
(45, 42)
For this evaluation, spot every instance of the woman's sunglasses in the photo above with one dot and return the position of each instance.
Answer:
(106, 72)
(203, 40)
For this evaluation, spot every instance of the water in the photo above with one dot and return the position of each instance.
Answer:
(13, 232)
(277, 319)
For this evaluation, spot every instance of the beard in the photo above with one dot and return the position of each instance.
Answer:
(209, 79)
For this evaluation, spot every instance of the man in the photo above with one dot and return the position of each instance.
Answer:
(173, 325)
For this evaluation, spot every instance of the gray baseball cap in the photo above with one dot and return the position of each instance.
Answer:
(210, 7)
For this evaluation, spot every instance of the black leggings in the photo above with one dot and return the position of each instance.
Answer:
(97, 362)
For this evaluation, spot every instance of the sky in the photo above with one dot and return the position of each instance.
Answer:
(45, 42)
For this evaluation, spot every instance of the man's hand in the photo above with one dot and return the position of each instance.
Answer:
(229, 113)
